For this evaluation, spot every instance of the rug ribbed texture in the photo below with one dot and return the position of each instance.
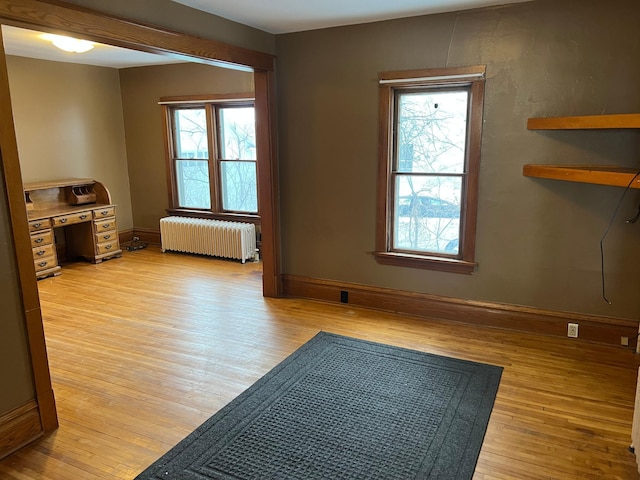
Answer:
(342, 408)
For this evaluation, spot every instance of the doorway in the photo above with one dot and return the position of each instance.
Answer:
(94, 26)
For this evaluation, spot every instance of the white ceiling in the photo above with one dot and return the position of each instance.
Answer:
(28, 43)
(285, 16)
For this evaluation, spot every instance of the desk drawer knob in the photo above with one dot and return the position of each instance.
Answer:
(104, 212)
(37, 225)
(106, 225)
(106, 237)
(41, 252)
(39, 240)
(82, 217)
(107, 247)
(43, 264)
(63, 220)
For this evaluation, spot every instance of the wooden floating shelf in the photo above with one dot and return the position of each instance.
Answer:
(596, 174)
(624, 120)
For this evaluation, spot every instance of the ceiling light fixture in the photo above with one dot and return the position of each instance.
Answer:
(68, 44)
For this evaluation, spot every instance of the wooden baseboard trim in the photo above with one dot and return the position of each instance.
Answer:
(593, 328)
(144, 235)
(147, 235)
(19, 427)
(125, 236)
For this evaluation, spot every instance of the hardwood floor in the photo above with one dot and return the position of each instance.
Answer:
(145, 348)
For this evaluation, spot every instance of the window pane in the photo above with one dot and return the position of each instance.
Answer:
(432, 129)
(239, 186)
(427, 213)
(190, 133)
(238, 133)
(192, 179)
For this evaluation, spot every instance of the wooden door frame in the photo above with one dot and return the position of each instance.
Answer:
(59, 17)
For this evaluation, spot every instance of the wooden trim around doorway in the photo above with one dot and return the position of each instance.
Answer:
(60, 17)
(64, 18)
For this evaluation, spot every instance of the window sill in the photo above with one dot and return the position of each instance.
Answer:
(442, 264)
(243, 217)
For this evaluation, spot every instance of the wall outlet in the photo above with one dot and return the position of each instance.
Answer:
(572, 330)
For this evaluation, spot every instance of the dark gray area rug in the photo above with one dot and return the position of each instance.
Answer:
(342, 408)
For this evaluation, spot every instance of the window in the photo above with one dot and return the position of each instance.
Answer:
(211, 157)
(430, 128)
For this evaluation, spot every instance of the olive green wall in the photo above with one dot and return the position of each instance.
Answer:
(68, 121)
(178, 17)
(16, 380)
(142, 88)
(538, 240)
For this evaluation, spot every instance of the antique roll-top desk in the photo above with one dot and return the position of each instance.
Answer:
(74, 216)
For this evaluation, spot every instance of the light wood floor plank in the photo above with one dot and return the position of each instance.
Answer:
(145, 348)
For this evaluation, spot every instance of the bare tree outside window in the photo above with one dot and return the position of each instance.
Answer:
(192, 158)
(238, 159)
(430, 149)
(212, 150)
(430, 144)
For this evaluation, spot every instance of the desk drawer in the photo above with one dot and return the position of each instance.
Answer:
(107, 247)
(105, 225)
(109, 236)
(45, 263)
(35, 225)
(43, 251)
(42, 238)
(104, 212)
(72, 218)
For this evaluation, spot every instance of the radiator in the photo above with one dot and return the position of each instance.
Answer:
(208, 237)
